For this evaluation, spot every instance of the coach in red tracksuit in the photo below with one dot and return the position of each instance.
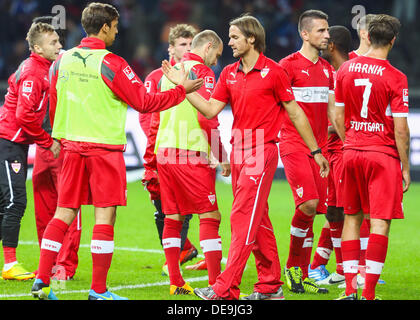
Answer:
(21, 125)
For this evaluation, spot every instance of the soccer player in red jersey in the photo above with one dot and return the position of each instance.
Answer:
(312, 82)
(93, 170)
(21, 120)
(337, 52)
(180, 38)
(187, 177)
(362, 32)
(372, 97)
(45, 175)
(257, 90)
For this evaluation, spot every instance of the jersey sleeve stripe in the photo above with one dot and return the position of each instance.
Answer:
(339, 104)
(400, 115)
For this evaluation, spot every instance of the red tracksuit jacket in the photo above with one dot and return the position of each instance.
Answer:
(26, 102)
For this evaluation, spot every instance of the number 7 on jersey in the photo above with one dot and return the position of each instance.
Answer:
(366, 94)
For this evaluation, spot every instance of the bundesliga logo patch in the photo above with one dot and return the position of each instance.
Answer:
(209, 82)
(129, 73)
(405, 95)
(148, 84)
(27, 86)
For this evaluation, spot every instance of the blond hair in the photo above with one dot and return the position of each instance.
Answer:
(35, 31)
(181, 31)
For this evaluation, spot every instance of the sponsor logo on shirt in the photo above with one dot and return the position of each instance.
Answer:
(129, 73)
(209, 82)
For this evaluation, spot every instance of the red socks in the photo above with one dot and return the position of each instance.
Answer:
(351, 254)
(102, 248)
(336, 229)
(375, 259)
(211, 245)
(301, 224)
(364, 238)
(50, 246)
(9, 254)
(171, 242)
(323, 250)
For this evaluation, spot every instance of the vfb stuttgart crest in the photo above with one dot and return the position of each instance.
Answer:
(264, 72)
(299, 192)
(16, 166)
(212, 198)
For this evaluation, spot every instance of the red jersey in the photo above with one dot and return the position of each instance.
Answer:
(256, 100)
(311, 83)
(334, 142)
(26, 103)
(373, 92)
(353, 55)
(125, 84)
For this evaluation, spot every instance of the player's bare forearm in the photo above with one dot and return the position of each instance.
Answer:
(339, 123)
(332, 116)
(208, 108)
(402, 140)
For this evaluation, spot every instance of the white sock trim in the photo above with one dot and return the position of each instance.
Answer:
(211, 245)
(102, 246)
(171, 243)
(50, 245)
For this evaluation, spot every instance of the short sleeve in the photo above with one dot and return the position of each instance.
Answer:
(399, 97)
(282, 87)
(221, 92)
(339, 98)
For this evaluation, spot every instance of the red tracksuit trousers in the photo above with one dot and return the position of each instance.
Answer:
(45, 175)
(252, 177)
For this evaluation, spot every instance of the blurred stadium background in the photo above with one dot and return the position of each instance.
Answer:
(143, 34)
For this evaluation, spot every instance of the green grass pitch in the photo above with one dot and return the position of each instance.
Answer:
(136, 267)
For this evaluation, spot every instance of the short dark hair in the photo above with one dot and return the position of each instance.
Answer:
(382, 29)
(251, 27)
(341, 37)
(305, 19)
(96, 14)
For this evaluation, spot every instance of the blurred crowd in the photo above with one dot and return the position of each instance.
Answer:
(144, 25)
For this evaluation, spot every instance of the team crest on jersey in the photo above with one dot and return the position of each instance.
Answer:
(405, 95)
(16, 166)
(209, 82)
(212, 198)
(327, 74)
(264, 72)
(129, 73)
(27, 86)
(299, 192)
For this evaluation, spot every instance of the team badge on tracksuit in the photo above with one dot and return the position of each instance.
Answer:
(16, 166)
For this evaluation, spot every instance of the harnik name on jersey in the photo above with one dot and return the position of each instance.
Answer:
(366, 68)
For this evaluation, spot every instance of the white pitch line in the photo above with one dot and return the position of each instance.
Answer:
(132, 286)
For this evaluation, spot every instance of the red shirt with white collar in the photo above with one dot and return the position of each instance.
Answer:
(256, 100)
(26, 103)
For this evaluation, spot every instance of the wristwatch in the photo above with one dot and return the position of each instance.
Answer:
(316, 151)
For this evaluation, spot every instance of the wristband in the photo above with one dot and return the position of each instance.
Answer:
(316, 151)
